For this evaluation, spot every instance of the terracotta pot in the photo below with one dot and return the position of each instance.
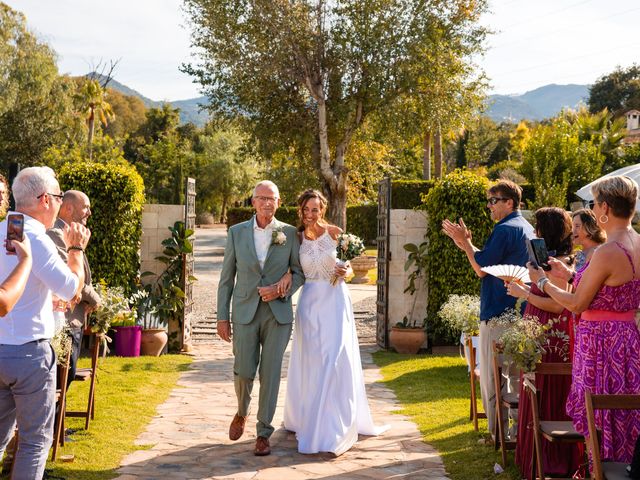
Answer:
(153, 341)
(407, 340)
(361, 266)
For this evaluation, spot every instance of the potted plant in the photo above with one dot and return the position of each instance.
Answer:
(461, 313)
(164, 302)
(115, 312)
(408, 335)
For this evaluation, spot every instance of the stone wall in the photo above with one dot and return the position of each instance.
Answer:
(406, 226)
(156, 220)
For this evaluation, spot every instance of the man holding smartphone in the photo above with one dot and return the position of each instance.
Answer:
(76, 207)
(27, 361)
(507, 245)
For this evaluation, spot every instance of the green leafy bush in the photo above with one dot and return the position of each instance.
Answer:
(116, 192)
(407, 194)
(361, 219)
(459, 194)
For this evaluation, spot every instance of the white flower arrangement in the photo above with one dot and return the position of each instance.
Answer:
(61, 344)
(526, 340)
(278, 237)
(462, 313)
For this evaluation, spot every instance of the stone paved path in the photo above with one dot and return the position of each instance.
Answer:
(189, 433)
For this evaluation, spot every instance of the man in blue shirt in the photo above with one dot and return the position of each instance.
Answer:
(507, 245)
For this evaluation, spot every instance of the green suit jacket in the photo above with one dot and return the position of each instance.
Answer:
(241, 274)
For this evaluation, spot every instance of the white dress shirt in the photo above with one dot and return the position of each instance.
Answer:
(262, 239)
(32, 317)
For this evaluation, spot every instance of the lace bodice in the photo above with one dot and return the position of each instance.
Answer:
(318, 257)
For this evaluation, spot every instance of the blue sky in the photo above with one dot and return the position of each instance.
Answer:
(536, 42)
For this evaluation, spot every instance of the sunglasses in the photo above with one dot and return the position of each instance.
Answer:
(59, 196)
(589, 204)
(494, 200)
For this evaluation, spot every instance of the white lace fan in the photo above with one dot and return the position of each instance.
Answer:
(508, 273)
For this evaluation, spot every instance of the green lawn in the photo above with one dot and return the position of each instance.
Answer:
(127, 393)
(434, 392)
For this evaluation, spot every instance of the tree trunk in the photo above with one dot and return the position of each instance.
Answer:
(223, 210)
(92, 122)
(437, 152)
(336, 194)
(426, 156)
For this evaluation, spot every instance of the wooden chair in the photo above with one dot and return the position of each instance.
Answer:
(89, 374)
(551, 430)
(606, 470)
(61, 406)
(474, 376)
(509, 401)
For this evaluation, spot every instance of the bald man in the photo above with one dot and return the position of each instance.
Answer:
(75, 207)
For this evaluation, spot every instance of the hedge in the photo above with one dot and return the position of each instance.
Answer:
(459, 194)
(407, 194)
(116, 192)
(361, 219)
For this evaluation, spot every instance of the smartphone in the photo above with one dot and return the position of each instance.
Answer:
(15, 229)
(538, 252)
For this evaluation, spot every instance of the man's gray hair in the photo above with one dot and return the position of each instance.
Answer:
(32, 182)
(266, 183)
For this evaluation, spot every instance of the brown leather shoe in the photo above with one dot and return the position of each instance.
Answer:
(236, 429)
(262, 447)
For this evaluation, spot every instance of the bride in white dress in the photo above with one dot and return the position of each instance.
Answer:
(326, 403)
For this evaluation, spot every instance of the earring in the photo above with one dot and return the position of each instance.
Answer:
(603, 218)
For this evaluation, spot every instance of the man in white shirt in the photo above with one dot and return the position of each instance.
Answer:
(27, 361)
(258, 254)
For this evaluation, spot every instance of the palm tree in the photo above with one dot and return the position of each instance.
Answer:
(92, 100)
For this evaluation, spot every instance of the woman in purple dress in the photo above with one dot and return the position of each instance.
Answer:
(554, 226)
(607, 294)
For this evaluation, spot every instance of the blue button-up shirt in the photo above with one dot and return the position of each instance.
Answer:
(507, 245)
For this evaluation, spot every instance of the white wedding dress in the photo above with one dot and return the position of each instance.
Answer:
(326, 402)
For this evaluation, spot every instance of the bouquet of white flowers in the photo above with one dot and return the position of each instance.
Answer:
(462, 313)
(349, 247)
(526, 340)
(61, 344)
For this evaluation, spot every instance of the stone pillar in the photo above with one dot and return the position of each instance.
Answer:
(406, 226)
(156, 220)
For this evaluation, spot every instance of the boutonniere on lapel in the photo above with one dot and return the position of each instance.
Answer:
(278, 237)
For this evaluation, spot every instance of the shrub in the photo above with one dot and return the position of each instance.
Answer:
(116, 192)
(407, 194)
(361, 219)
(459, 194)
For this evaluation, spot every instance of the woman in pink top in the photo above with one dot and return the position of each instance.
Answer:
(607, 344)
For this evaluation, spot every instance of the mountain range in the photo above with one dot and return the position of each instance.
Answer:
(189, 109)
(538, 104)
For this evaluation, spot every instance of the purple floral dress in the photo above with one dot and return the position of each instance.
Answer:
(607, 361)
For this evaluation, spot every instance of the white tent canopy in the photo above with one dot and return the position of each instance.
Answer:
(632, 171)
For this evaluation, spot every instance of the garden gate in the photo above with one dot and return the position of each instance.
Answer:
(187, 260)
(382, 301)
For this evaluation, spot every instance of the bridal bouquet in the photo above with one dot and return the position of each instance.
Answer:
(349, 247)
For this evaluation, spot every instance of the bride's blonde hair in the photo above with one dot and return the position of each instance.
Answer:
(304, 198)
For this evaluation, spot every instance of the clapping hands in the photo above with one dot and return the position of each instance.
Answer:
(458, 232)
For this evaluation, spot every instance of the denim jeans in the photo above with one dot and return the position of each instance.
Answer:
(27, 396)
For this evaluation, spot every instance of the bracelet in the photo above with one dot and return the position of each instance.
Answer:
(76, 247)
(541, 283)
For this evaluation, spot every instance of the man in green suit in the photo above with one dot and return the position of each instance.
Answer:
(258, 254)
